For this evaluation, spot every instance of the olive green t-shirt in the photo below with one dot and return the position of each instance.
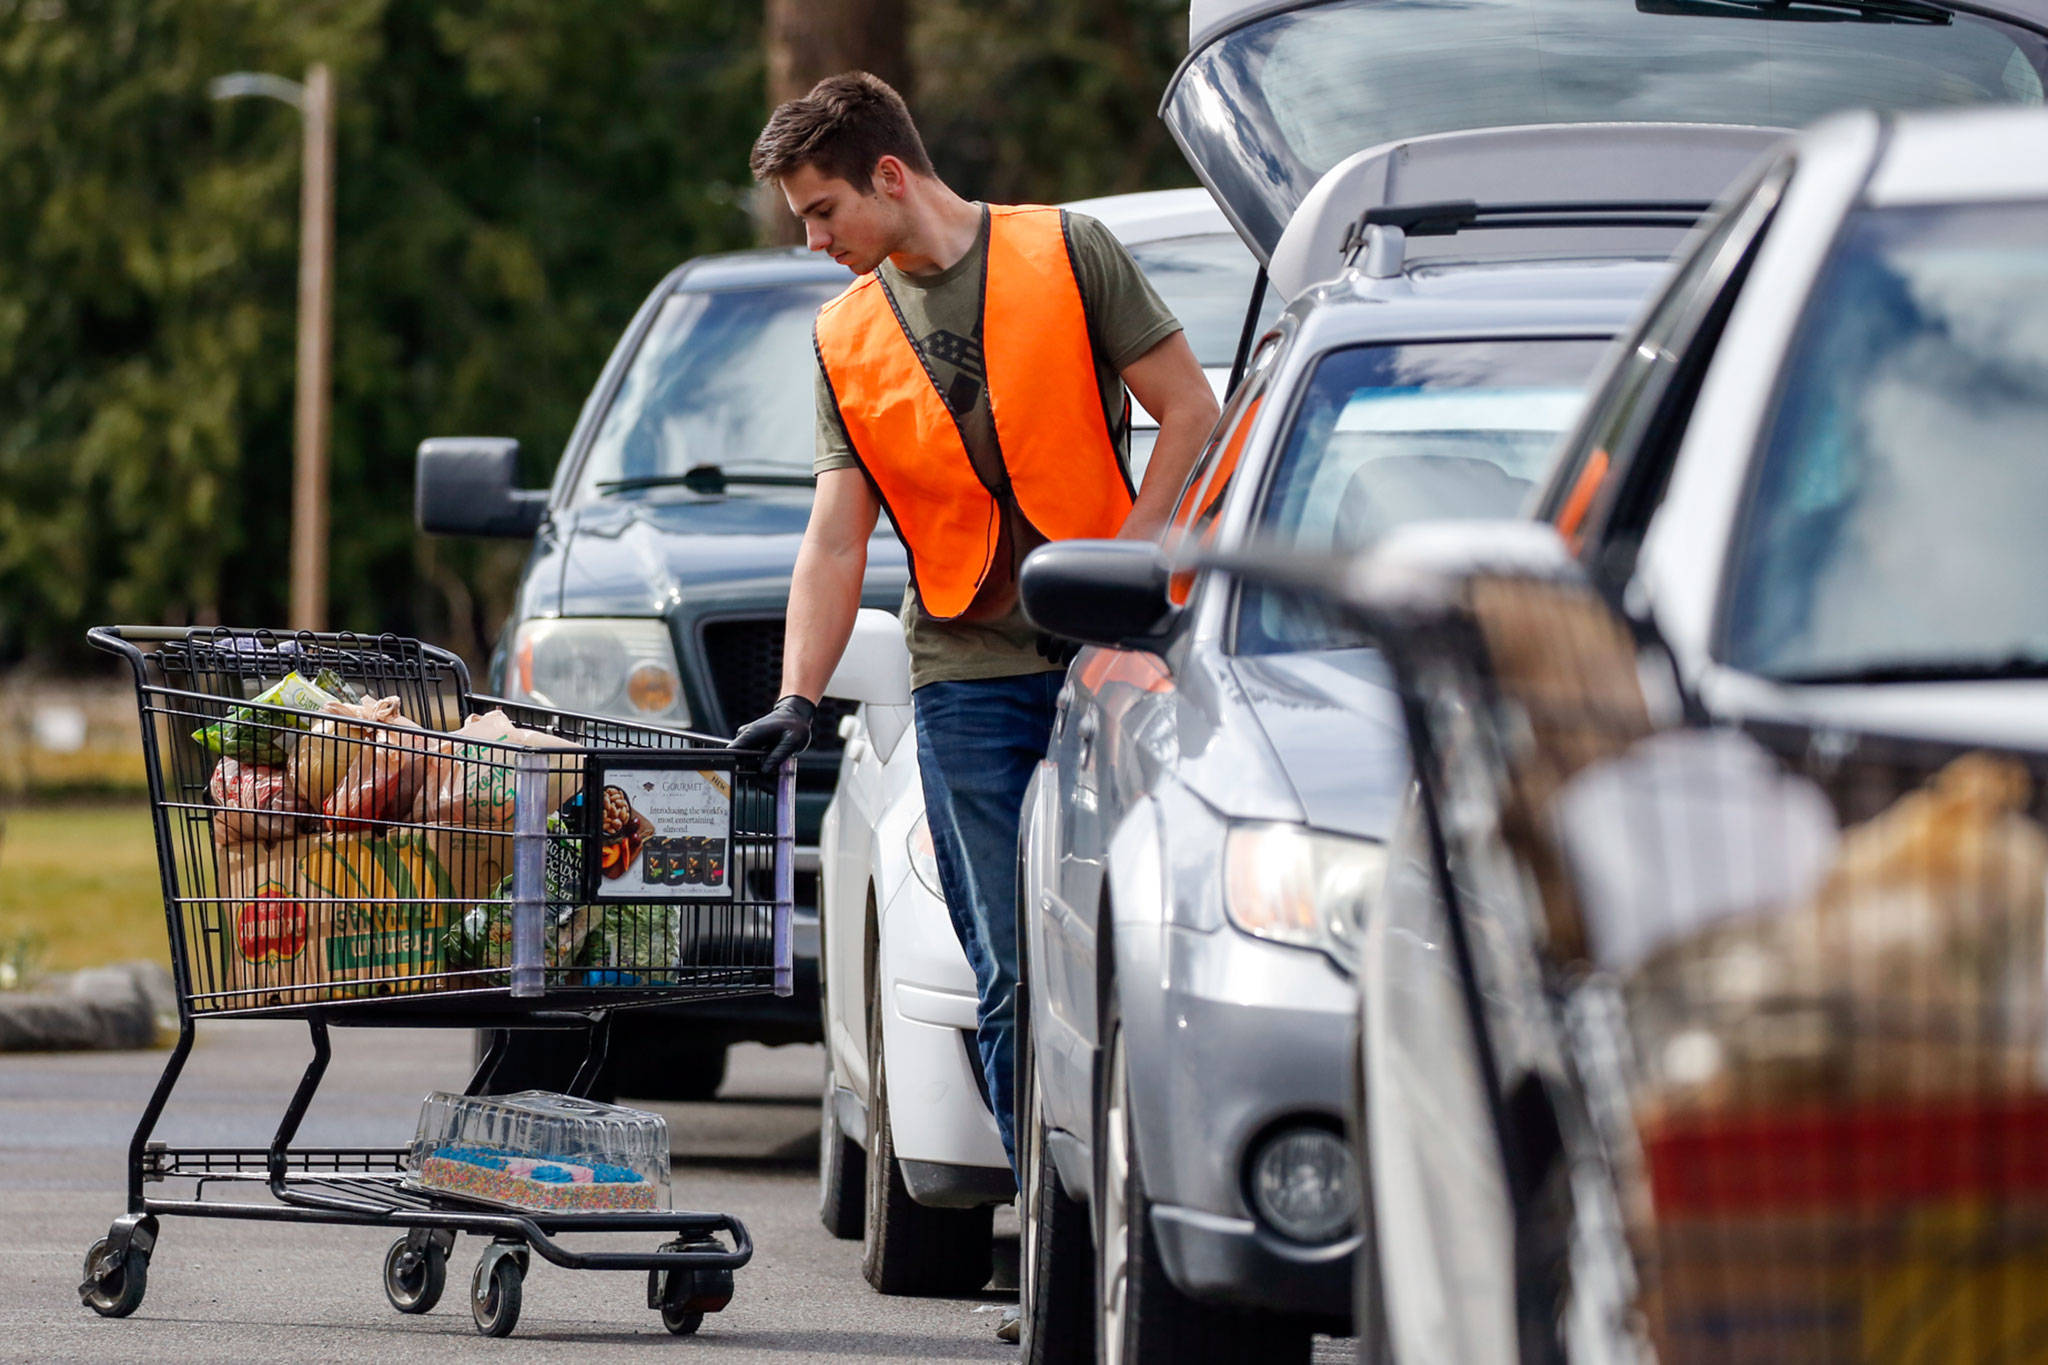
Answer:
(992, 638)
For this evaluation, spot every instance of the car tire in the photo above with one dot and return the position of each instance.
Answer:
(907, 1248)
(842, 1171)
(686, 1075)
(1141, 1317)
(1056, 1260)
(1368, 1304)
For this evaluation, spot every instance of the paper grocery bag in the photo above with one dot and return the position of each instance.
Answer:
(465, 803)
(382, 912)
(314, 920)
(256, 945)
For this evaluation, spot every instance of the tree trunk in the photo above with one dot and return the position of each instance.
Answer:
(808, 40)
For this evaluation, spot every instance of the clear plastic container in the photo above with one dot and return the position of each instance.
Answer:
(542, 1152)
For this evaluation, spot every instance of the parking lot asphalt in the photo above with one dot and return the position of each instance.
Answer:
(241, 1291)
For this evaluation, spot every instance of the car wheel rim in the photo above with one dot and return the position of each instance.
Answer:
(1114, 1254)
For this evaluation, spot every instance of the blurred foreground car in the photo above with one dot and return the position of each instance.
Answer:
(917, 1180)
(656, 586)
(1732, 1089)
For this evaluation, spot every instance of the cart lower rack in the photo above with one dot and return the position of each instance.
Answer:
(349, 837)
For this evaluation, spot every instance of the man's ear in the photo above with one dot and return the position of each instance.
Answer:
(890, 176)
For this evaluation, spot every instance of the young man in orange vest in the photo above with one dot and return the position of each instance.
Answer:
(971, 382)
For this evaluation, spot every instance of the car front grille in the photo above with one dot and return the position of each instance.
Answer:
(745, 658)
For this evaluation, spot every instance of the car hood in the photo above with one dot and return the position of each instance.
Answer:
(1334, 722)
(639, 557)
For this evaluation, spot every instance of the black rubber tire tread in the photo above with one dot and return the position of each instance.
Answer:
(433, 1272)
(1059, 1318)
(1369, 1316)
(500, 1314)
(1162, 1325)
(688, 1076)
(842, 1165)
(681, 1324)
(120, 1295)
(907, 1248)
(842, 1175)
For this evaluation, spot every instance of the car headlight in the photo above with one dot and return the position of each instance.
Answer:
(1292, 885)
(603, 667)
(924, 862)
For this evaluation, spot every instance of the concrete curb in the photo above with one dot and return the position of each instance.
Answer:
(100, 1008)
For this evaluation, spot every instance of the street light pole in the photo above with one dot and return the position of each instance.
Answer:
(315, 102)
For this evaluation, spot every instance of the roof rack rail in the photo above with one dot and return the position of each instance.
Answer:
(1382, 232)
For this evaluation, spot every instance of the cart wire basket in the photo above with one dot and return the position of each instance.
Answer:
(348, 836)
(1795, 977)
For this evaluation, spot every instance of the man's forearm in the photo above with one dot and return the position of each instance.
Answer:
(1181, 433)
(824, 596)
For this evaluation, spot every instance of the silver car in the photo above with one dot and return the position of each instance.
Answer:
(1204, 836)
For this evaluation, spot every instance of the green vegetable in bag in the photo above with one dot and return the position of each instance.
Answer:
(252, 736)
(482, 937)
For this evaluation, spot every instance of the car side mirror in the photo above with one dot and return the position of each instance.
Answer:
(463, 486)
(876, 665)
(1100, 592)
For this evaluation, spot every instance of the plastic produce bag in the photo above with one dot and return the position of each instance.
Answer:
(482, 937)
(332, 744)
(253, 736)
(243, 792)
(384, 779)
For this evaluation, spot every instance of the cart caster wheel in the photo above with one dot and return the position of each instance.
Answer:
(415, 1277)
(683, 1297)
(114, 1286)
(494, 1293)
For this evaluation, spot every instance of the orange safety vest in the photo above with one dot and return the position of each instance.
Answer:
(1051, 433)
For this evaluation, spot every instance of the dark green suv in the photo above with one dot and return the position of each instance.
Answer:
(657, 584)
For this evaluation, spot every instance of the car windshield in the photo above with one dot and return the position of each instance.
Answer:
(723, 377)
(1206, 282)
(1265, 110)
(1906, 469)
(1388, 435)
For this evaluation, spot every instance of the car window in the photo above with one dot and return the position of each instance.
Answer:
(1269, 107)
(1193, 522)
(1386, 435)
(722, 377)
(1895, 519)
(1638, 377)
(1206, 282)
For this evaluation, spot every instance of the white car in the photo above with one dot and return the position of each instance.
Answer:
(918, 1181)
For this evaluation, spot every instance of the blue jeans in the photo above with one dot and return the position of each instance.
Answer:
(978, 741)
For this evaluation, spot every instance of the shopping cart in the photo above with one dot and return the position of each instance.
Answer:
(1758, 1003)
(348, 836)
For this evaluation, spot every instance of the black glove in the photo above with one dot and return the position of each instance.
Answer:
(1057, 649)
(784, 731)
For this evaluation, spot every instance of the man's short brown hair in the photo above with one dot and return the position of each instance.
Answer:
(842, 128)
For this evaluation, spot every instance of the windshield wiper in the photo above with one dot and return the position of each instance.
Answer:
(1805, 11)
(2015, 666)
(708, 478)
